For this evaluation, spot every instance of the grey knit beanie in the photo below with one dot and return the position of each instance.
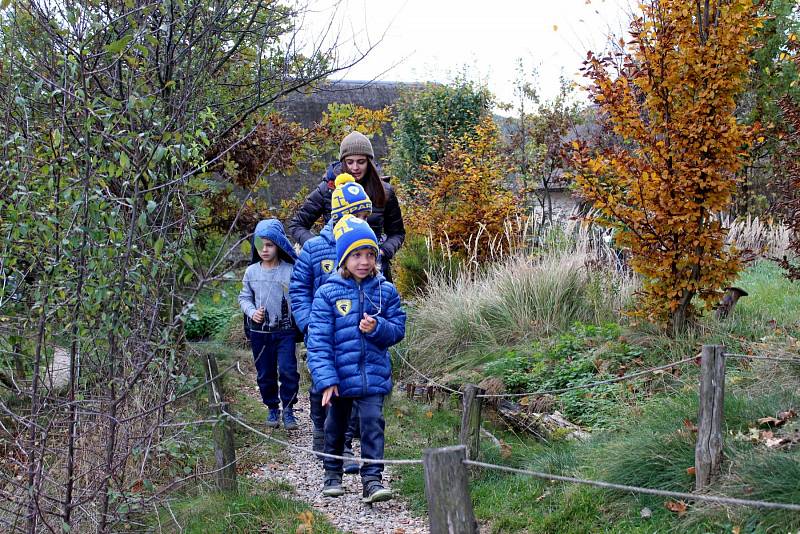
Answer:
(355, 143)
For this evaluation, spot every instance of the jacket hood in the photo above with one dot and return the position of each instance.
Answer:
(327, 232)
(272, 229)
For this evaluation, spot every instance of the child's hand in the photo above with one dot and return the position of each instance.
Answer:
(328, 394)
(367, 324)
(258, 316)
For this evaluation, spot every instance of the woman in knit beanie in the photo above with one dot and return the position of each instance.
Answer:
(357, 158)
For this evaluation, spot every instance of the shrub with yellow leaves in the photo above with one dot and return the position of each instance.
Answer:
(670, 98)
(463, 201)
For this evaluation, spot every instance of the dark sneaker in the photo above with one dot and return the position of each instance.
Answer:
(289, 421)
(375, 492)
(351, 467)
(332, 487)
(274, 418)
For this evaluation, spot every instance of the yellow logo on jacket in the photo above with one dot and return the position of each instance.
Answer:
(343, 306)
(327, 266)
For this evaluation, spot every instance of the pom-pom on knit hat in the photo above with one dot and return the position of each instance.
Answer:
(352, 233)
(348, 197)
(354, 144)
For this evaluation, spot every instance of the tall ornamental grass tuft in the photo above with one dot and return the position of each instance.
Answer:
(521, 297)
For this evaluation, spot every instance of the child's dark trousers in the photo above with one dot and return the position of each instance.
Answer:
(275, 360)
(370, 410)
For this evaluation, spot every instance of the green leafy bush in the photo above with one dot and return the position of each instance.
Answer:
(418, 260)
(208, 322)
(428, 120)
(584, 354)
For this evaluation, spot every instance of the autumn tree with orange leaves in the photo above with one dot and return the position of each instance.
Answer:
(670, 98)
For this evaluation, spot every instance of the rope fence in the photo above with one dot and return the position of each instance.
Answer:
(592, 384)
(427, 379)
(732, 501)
(636, 489)
(551, 391)
(318, 454)
(445, 468)
(758, 357)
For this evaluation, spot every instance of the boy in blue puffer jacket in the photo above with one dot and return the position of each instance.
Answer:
(312, 269)
(355, 318)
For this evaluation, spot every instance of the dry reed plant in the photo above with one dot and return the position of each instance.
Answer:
(756, 237)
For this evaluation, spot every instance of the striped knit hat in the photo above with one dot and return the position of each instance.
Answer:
(348, 197)
(352, 233)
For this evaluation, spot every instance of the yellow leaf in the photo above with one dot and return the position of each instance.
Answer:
(555, 27)
(429, 414)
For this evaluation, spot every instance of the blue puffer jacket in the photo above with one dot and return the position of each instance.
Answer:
(316, 264)
(338, 352)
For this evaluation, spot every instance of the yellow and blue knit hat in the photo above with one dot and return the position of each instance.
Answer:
(352, 233)
(348, 197)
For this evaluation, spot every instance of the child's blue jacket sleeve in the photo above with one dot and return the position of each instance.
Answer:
(391, 327)
(320, 359)
(301, 289)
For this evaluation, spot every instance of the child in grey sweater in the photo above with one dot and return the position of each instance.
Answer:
(264, 299)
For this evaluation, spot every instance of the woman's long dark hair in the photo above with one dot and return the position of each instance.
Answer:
(373, 185)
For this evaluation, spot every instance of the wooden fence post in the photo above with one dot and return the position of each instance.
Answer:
(708, 450)
(447, 490)
(470, 434)
(224, 446)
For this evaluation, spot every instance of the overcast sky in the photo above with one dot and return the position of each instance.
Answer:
(432, 40)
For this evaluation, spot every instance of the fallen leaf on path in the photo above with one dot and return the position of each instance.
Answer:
(771, 421)
(679, 507)
(306, 525)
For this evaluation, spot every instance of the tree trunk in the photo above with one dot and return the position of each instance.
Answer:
(677, 321)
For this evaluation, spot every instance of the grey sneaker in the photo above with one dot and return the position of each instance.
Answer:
(375, 492)
(289, 421)
(332, 487)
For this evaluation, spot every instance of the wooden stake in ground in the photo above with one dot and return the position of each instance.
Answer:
(708, 450)
(447, 490)
(470, 434)
(224, 447)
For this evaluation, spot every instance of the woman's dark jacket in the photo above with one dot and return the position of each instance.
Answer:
(387, 220)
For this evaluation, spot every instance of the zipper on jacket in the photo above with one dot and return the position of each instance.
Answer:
(363, 360)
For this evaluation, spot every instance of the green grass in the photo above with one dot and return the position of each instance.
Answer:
(772, 297)
(254, 508)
